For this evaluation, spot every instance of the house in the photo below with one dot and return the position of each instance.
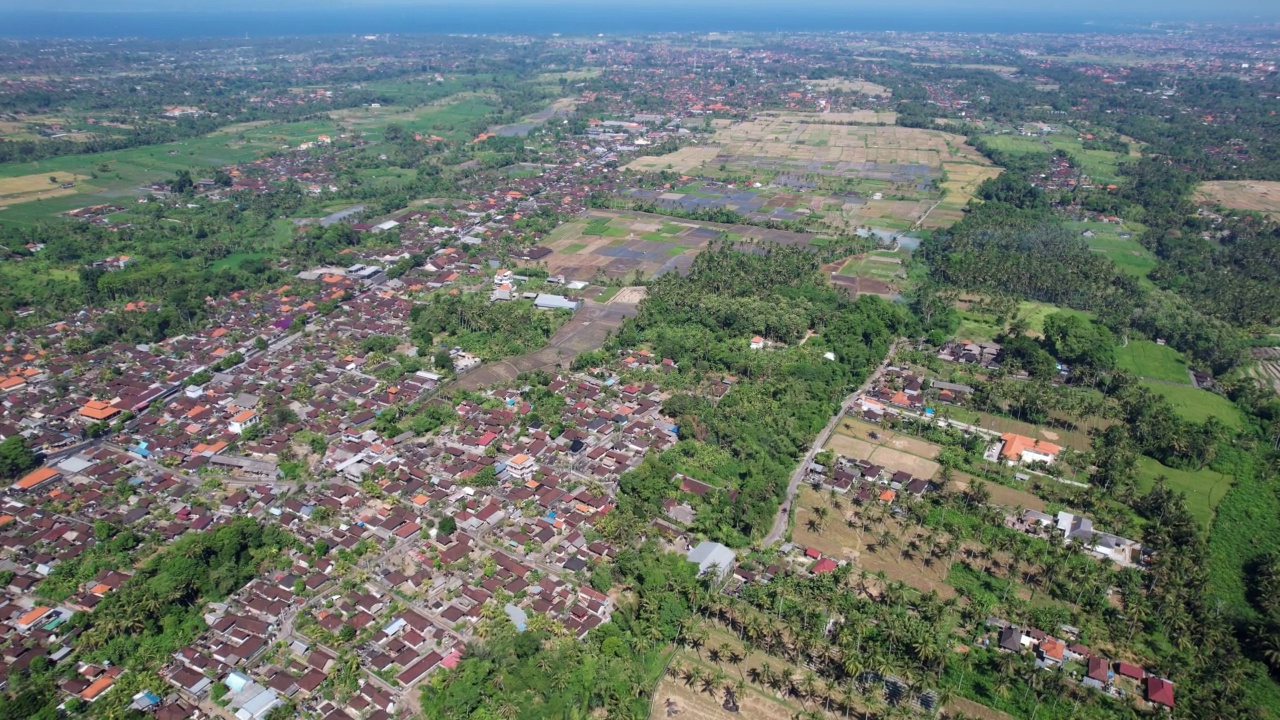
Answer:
(1160, 691)
(1021, 450)
(1099, 675)
(242, 421)
(1010, 639)
(1050, 652)
(546, 301)
(757, 343)
(710, 555)
(97, 410)
(521, 468)
(35, 479)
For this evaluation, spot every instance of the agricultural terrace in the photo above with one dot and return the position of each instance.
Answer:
(1196, 405)
(886, 177)
(878, 272)
(1256, 195)
(1204, 488)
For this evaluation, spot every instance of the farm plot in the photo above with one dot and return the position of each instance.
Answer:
(1102, 166)
(110, 176)
(962, 180)
(623, 244)
(1256, 195)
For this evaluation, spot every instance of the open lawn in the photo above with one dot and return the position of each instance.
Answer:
(1149, 360)
(1204, 488)
(1257, 195)
(1196, 405)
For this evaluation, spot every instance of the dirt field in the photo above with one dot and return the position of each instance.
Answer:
(674, 698)
(684, 160)
(586, 331)
(1001, 494)
(849, 447)
(859, 86)
(26, 188)
(837, 540)
(895, 452)
(1259, 195)
(893, 459)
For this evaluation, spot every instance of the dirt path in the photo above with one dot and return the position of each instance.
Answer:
(780, 522)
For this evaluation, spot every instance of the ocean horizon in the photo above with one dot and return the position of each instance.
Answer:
(547, 19)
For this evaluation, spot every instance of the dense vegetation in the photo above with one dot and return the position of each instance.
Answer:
(761, 427)
(488, 329)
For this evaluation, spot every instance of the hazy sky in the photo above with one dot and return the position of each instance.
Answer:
(1146, 8)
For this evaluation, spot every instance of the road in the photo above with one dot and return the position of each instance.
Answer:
(780, 522)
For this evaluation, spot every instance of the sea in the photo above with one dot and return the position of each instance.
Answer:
(545, 18)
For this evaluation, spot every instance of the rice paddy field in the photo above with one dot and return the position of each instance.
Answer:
(894, 173)
(28, 197)
(962, 180)
(624, 244)
(851, 85)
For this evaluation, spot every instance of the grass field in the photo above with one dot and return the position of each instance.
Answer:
(1258, 195)
(979, 327)
(1127, 253)
(1101, 165)
(1204, 488)
(1195, 405)
(1149, 360)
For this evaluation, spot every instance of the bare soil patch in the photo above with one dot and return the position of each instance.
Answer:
(1257, 195)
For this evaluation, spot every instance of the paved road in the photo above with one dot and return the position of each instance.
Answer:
(780, 522)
